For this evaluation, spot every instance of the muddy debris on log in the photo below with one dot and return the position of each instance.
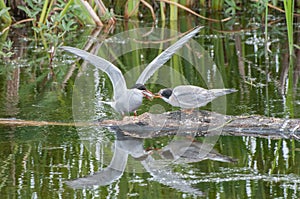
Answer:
(205, 123)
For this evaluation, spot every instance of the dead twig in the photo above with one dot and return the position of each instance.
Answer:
(18, 22)
(92, 13)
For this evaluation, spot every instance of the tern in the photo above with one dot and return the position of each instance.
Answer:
(128, 100)
(189, 96)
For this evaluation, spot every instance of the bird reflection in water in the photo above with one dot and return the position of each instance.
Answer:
(177, 152)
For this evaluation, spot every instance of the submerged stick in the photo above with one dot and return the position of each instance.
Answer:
(17, 122)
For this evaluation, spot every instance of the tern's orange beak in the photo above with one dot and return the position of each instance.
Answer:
(148, 94)
(157, 95)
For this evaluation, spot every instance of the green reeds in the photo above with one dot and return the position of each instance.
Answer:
(217, 4)
(5, 21)
(174, 11)
(5, 18)
(214, 5)
(289, 15)
(266, 31)
(45, 12)
(162, 10)
(202, 3)
(131, 10)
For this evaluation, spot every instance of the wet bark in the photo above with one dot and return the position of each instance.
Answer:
(196, 123)
(205, 123)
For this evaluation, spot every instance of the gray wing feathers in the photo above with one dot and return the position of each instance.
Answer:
(164, 57)
(111, 70)
(192, 96)
(220, 92)
(189, 96)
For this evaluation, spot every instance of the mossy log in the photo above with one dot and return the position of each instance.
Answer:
(205, 123)
(196, 123)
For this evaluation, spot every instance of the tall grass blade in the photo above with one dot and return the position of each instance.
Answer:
(4, 15)
(174, 11)
(132, 8)
(65, 10)
(289, 15)
(162, 10)
(217, 4)
(43, 14)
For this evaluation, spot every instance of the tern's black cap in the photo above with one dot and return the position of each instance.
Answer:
(166, 93)
(140, 87)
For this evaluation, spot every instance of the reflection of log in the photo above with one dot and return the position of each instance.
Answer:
(204, 123)
(197, 123)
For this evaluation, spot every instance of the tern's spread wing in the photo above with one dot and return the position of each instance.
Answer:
(164, 57)
(111, 70)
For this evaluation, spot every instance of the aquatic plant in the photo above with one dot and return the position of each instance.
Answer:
(6, 49)
(131, 8)
(232, 7)
(5, 18)
(289, 16)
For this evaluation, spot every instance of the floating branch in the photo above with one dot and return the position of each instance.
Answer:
(17, 122)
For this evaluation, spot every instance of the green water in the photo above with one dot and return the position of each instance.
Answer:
(36, 161)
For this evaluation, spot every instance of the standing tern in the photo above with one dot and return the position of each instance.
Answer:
(189, 97)
(128, 100)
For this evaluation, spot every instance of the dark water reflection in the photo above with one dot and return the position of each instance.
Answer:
(37, 162)
(49, 158)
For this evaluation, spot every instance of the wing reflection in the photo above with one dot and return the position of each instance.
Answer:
(185, 151)
(179, 152)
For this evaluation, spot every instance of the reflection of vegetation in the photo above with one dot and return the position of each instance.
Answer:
(4, 170)
(40, 160)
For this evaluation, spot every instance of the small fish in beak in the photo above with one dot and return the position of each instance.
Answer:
(148, 94)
